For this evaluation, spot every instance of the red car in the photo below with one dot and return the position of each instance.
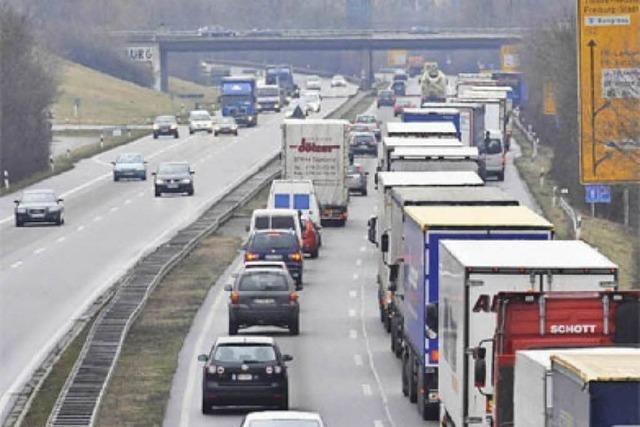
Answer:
(401, 105)
(310, 238)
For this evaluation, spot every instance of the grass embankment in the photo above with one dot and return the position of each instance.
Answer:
(107, 100)
(612, 239)
(65, 162)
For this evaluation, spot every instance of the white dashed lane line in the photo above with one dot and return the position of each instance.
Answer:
(16, 264)
(114, 209)
(80, 228)
(357, 359)
(61, 239)
(366, 390)
(98, 218)
(353, 334)
(353, 294)
(39, 251)
(352, 313)
(359, 262)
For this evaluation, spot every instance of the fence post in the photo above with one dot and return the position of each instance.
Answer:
(5, 175)
(554, 196)
(52, 163)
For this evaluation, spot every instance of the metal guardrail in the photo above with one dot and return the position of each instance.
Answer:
(79, 400)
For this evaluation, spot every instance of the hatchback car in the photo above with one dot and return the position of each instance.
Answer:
(338, 81)
(245, 371)
(173, 177)
(129, 165)
(276, 245)
(200, 121)
(363, 143)
(263, 296)
(357, 179)
(386, 98)
(283, 419)
(226, 125)
(165, 126)
(39, 206)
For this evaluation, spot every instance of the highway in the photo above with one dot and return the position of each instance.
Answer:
(343, 366)
(50, 275)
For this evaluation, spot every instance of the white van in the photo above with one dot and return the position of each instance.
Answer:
(276, 219)
(297, 194)
(493, 153)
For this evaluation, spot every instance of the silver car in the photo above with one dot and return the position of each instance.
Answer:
(225, 125)
(200, 121)
(129, 165)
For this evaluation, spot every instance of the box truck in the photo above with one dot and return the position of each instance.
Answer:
(389, 144)
(316, 149)
(471, 120)
(424, 227)
(433, 115)
(472, 274)
(437, 159)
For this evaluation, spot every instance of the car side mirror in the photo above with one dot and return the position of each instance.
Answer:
(192, 172)
(60, 200)
(16, 202)
(154, 173)
(480, 367)
(203, 358)
(113, 163)
(287, 358)
(145, 162)
(384, 243)
(228, 288)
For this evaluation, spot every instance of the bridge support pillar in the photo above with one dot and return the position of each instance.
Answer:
(160, 69)
(367, 69)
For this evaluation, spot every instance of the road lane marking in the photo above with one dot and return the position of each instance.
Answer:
(366, 390)
(352, 313)
(16, 264)
(362, 248)
(80, 228)
(359, 262)
(140, 194)
(39, 251)
(378, 423)
(127, 202)
(61, 239)
(357, 359)
(114, 209)
(98, 218)
(353, 334)
(353, 294)
(355, 276)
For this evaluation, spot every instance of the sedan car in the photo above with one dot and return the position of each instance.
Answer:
(39, 206)
(200, 121)
(386, 98)
(263, 296)
(226, 125)
(357, 179)
(363, 143)
(173, 177)
(283, 419)
(371, 121)
(129, 165)
(165, 126)
(276, 245)
(338, 81)
(313, 83)
(247, 371)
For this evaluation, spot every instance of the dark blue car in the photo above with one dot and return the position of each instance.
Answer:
(276, 245)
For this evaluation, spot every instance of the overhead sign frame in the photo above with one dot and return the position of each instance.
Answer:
(609, 90)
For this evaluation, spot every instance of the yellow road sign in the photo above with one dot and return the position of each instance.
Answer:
(609, 90)
(397, 58)
(549, 99)
(510, 57)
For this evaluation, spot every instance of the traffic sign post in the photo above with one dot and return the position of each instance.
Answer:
(609, 90)
(597, 193)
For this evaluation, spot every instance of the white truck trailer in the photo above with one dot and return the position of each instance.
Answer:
(390, 144)
(316, 149)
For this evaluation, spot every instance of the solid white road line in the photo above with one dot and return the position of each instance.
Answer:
(80, 228)
(378, 423)
(357, 359)
(356, 276)
(39, 251)
(352, 313)
(61, 239)
(353, 294)
(16, 264)
(359, 262)
(353, 334)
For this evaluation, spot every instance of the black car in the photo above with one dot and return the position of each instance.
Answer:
(173, 177)
(39, 206)
(245, 371)
(357, 179)
(165, 126)
(399, 88)
(276, 245)
(363, 143)
(129, 165)
(263, 296)
(386, 98)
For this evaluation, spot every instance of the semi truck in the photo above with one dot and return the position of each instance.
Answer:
(282, 75)
(596, 390)
(380, 225)
(402, 197)
(239, 99)
(433, 115)
(390, 144)
(424, 228)
(533, 386)
(471, 120)
(472, 320)
(317, 149)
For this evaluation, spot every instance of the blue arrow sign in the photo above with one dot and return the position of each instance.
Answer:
(597, 193)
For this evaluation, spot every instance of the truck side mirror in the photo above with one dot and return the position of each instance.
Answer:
(480, 367)
(431, 311)
(375, 178)
(384, 243)
(371, 232)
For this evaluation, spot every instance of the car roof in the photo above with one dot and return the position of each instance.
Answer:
(199, 112)
(283, 415)
(43, 190)
(245, 340)
(173, 163)
(362, 133)
(264, 264)
(166, 117)
(263, 270)
(275, 212)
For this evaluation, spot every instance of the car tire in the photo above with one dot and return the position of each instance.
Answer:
(235, 133)
(501, 176)
(209, 131)
(115, 178)
(314, 253)
(191, 132)
(191, 192)
(364, 192)
(157, 192)
(412, 386)
(215, 134)
(59, 220)
(155, 136)
(19, 223)
(394, 329)
(176, 135)
(405, 378)
(207, 407)
(294, 326)
(284, 403)
(233, 327)
(387, 323)
(144, 177)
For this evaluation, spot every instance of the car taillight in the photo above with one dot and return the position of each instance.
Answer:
(235, 297)
(250, 256)
(297, 256)
(293, 297)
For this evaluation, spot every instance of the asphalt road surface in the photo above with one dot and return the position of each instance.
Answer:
(49, 275)
(343, 366)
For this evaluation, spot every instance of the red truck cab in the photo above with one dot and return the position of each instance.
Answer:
(556, 319)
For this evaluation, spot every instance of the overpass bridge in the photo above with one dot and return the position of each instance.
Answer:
(363, 41)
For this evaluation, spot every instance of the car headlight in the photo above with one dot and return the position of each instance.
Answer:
(249, 117)
(174, 127)
(159, 181)
(21, 210)
(54, 208)
(186, 181)
(155, 126)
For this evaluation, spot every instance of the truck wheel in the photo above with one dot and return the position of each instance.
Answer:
(427, 410)
(405, 376)
(412, 386)
(314, 253)
(383, 312)
(394, 333)
(387, 323)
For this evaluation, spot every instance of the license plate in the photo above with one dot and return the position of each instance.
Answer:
(245, 377)
(172, 185)
(266, 301)
(273, 257)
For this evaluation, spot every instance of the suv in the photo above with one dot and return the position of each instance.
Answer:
(269, 98)
(173, 177)
(165, 125)
(200, 121)
(39, 206)
(386, 98)
(244, 371)
(263, 296)
(276, 245)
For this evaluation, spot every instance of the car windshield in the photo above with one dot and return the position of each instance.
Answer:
(386, 95)
(360, 128)
(266, 241)
(494, 147)
(200, 116)
(39, 196)
(353, 170)
(366, 119)
(165, 120)
(169, 168)
(263, 281)
(361, 139)
(244, 353)
(268, 91)
(228, 121)
(283, 423)
(130, 158)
